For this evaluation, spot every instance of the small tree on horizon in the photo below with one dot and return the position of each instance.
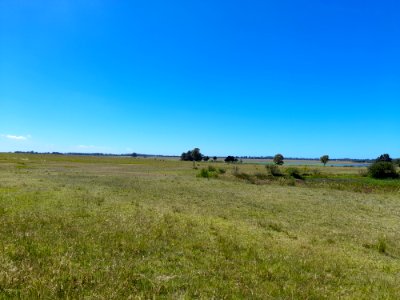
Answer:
(197, 156)
(230, 159)
(278, 159)
(192, 155)
(324, 159)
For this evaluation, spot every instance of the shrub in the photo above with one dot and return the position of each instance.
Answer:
(397, 161)
(382, 169)
(221, 170)
(294, 172)
(206, 173)
(212, 169)
(273, 170)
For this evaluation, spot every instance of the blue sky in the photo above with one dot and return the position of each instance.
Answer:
(302, 78)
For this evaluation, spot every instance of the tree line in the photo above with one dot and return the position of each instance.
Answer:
(382, 167)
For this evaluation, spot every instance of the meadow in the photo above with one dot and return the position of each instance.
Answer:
(131, 228)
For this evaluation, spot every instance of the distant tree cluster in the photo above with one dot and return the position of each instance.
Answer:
(192, 155)
(230, 159)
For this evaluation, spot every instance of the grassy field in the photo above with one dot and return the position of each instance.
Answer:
(125, 228)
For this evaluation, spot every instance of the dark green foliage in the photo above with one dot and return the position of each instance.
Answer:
(382, 170)
(324, 159)
(278, 159)
(294, 172)
(187, 156)
(192, 155)
(384, 157)
(197, 156)
(230, 159)
(206, 158)
(273, 170)
(215, 158)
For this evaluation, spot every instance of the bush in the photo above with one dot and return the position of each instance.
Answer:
(294, 172)
(382, 169)
(273, 170)
(206, 173)
(397, 162)
(212, 169)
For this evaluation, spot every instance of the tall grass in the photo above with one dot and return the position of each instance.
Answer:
(116, 228)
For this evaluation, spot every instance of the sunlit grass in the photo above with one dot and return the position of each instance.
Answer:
(114, 228)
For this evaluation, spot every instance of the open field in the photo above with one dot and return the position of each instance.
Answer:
(118, 228)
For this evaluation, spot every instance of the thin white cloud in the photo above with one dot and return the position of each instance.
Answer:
(16, 137)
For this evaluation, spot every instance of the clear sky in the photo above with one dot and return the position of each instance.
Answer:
(302, 78)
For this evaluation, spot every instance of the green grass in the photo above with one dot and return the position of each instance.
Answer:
(118, 228)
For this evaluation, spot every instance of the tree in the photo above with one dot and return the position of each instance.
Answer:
(214, 158)
(324, 159)
(384, 157)
(206, 158)
(278, 159)
(192, 155)
(197, 156)
(230, 159)
(187, 156)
